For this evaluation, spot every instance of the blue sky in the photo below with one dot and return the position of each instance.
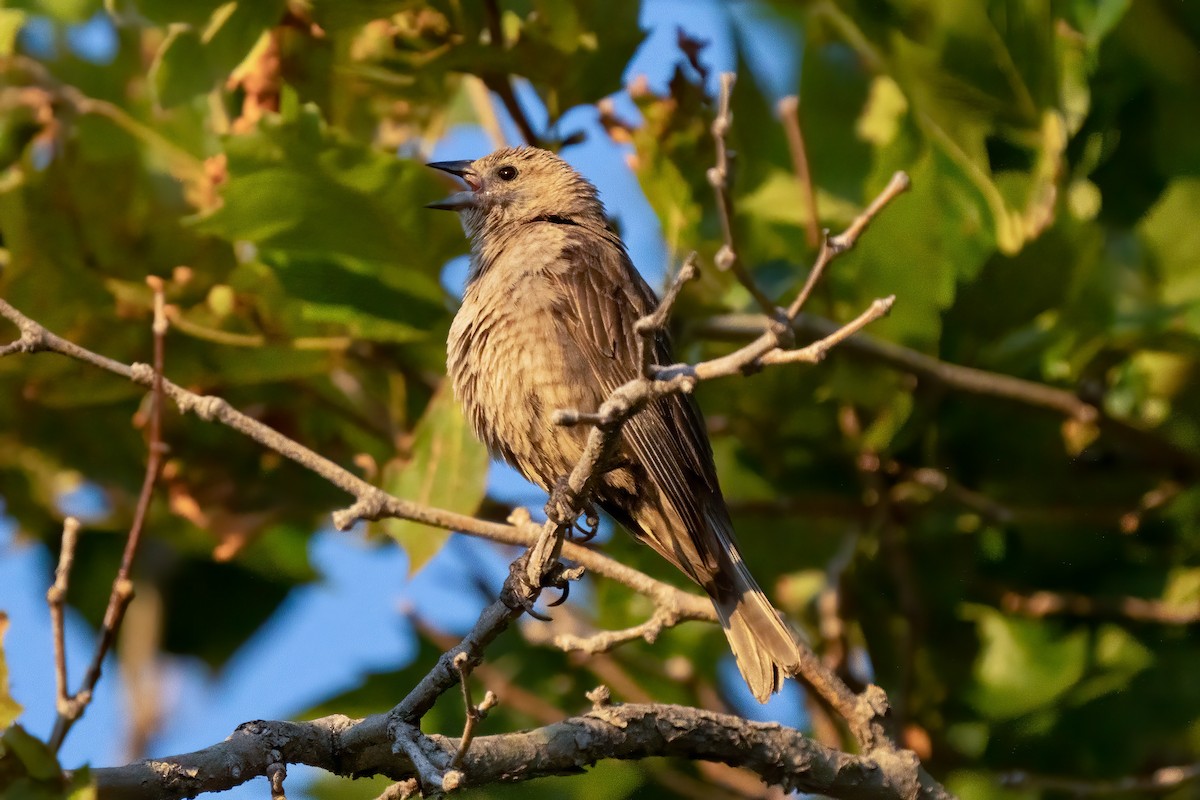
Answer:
(354, 620)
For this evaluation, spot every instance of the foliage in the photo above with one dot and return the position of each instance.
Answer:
(245, 152)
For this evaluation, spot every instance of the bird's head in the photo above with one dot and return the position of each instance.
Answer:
(517, 184)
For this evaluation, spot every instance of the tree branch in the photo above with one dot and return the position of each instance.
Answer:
(781, 756)
(737, 327)
(1137, 609)
(1161, 780)
(70, 709)
(719, 177)
(789, 114)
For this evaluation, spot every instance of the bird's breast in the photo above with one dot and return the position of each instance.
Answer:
(512, 367)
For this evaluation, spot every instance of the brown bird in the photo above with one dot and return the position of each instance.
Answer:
(546, 323)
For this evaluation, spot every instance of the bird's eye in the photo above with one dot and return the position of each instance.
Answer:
(507, 173)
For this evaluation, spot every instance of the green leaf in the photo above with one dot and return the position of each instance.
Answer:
(11, 20)
(10, 709)
(235, 28)
(367, 301)
(596, 38)
(181, 70)
(35, 756)
(1170, 232)
(299, 187)
(447, 469)
(1023, 665)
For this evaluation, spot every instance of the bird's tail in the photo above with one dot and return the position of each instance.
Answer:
(765, 649)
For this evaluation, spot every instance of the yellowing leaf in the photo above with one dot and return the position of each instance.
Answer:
(9, 709)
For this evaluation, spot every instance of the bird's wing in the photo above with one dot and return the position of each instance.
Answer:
(602, 297)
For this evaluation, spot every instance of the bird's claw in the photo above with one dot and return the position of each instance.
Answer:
(560, 577)
(522, 591)
(587, 531)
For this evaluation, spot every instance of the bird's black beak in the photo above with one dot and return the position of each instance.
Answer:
(459, 200)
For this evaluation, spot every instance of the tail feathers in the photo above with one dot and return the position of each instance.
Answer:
(765, 649)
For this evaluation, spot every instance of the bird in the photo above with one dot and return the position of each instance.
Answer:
(547, 323)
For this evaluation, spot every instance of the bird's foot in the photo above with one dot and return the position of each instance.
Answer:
(564, 508)
(520, 591)
(523, 593)
(560, 577)
(560, 508)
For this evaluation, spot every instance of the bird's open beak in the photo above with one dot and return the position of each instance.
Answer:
(459, 200)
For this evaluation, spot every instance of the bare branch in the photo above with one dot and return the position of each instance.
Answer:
(782, 756)
(71, 709)
(815, 352)
(649, 327)
(474, 713)
(604, 641)
(56, 598)
(833, 247)
(968, 379)
(727, 258)
(789, 114)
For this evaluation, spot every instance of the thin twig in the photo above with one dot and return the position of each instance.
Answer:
(954, 376)
(56, 598)
(833, 247)
(648, 328)
(816, 352)
(474, 713)
(276, 773)
(604, 641)
(789, 115)
(719, 177)
(122, 587)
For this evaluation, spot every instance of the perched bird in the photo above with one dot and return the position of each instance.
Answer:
(546, 323)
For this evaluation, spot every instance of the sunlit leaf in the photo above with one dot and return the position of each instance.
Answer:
(446, 468)
(1023, 664)
(10, 709)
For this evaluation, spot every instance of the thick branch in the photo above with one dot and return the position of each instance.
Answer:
(782, 756)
